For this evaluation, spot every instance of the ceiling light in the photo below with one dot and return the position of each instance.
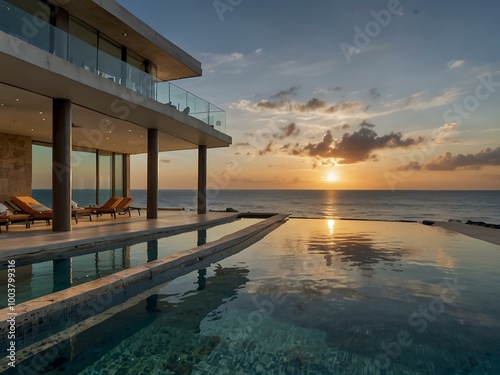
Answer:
(43, 119)
(124, 34)
(40, 112)
(17, 99)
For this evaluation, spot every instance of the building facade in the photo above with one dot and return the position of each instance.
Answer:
(90, 81)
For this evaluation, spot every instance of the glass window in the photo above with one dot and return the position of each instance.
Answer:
(84, 177)
(109, 59)
(28, 20)
(118, 175)
(82, 45)
(105, 171)
(137, 79)
(42, 174)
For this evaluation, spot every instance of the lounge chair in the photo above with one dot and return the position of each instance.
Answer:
(38, 211)
(34, 208)
(81, 211)
(110, 207)
(125, 207)
(7, 217)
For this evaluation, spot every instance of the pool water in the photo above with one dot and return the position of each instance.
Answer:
(39, 279)
(314, 297)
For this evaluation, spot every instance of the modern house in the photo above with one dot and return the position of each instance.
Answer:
(91, 81)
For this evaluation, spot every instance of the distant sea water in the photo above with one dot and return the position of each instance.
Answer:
(330, 204)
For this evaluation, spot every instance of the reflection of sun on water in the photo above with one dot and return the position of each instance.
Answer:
(331, 225)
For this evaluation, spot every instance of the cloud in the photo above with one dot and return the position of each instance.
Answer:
(268, 149)
(326, 91)
(411, 166)
(314, 105)
(234, 62)
(292, 91)
(445, 132)
(365, 124)
(304, 68)
(453, 64)
(374, 94)
(418, 101)
(358, 146)
(289, 131)
(450, 162)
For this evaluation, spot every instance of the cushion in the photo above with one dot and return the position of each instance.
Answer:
(4, 211)
(74, 205)
(39, 207)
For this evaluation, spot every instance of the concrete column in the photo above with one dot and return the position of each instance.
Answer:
(97, 177)
(153, 170)
(126, 175)
(202, 179)
(61, 165)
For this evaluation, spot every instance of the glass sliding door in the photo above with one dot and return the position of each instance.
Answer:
(84, 177)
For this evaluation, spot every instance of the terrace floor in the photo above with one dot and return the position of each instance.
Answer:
(22, 243)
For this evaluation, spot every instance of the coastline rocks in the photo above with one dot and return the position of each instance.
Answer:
(428, 222)
(483, 224)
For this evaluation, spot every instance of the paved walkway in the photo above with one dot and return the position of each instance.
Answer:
(490, 235)
(20, 241)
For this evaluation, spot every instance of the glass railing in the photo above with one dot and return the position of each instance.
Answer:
(41, 34)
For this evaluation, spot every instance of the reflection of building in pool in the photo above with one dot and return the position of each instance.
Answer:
(171, 333)
(83, 86)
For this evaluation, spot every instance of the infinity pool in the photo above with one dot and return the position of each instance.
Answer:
(313, 297)
(39, 279)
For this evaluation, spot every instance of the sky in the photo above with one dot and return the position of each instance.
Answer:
(338, 94)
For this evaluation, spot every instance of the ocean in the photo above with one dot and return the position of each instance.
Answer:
(329, 204)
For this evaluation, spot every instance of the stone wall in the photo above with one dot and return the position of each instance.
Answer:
(15, 166)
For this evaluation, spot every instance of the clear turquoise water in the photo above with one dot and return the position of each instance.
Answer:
(314, 297)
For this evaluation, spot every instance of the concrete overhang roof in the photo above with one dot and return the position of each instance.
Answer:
(34, 77)
(116, 22)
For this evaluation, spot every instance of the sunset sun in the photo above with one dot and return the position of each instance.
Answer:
(332, 177)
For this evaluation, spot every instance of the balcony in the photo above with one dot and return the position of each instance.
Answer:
(43, 35)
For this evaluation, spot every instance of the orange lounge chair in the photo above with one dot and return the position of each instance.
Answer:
(14, 218)
(32, 207)
(110, 207)
(37, 210)
(125, 206)
(7, 217)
